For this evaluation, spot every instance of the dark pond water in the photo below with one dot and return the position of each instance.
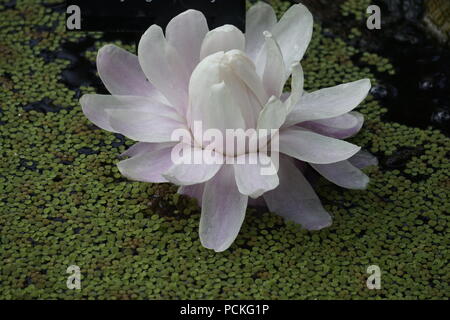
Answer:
(418, 94)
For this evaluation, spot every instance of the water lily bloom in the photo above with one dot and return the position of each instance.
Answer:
(227, 80)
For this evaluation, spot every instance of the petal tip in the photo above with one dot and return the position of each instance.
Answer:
(107, 48)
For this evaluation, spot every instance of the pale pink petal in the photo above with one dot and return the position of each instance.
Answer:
(247, 88)
(164, 67)
(148, 166)
(194, 191)
(139, 148)
(139, 118)
(95, 110)
(329, 102)
(297, 83)
(293, 33)
(363, 159)
(295, 200)
(274, 74)
(260, 17)
(122, 74)
(144, 126)
(245, 69)
(344, 174)
(186, 33)
(311, 147)
(212, 102)
(273, 115)
(223, 211)
(224, 38)
(94, 107)
(191, 172)
(340, 127)
(250, 177)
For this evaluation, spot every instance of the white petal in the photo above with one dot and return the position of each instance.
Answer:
(224, 38)
(295, 200)
(260, 17)
(148, 166)
(122, 74)
(144, 126)
(363, 159)
(223, 211)
(164, 67)
(94, 108)
(247, 88)
(341, 127)
(245, 69)
(273, 115)
(211, 101)
(194, 191)
(274, 75)
(344, 174)
(314, 148)
(297, 83)
(139, 148)
(250, 178)
(186, 33)
(121, 113)
(293, 33)
(329, 102)
(190, 173)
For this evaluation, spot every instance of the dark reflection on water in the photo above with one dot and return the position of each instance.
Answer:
(419, 93)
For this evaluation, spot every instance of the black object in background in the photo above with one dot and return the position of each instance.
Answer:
(138, 15)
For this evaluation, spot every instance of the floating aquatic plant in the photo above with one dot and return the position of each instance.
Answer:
(227, 80)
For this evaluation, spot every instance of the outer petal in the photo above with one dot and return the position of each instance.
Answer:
(164, 67)
(139, 148)
(194, 191)
(260, 17)
(329, 102)
(250, 178)
(223, 211)
(344, 174)
(144, 126)
(363, 159)
(341, 127)
(95, 107)
(139, 118)
(295, 200)
(224, 38)
(185, 174)
(314, 148)
(186, 33)
(293, 33)
(148, 166)
(122, 74)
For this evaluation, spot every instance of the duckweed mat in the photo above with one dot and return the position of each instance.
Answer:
(63, 201)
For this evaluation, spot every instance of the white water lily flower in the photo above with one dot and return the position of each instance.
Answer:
(228, 80)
